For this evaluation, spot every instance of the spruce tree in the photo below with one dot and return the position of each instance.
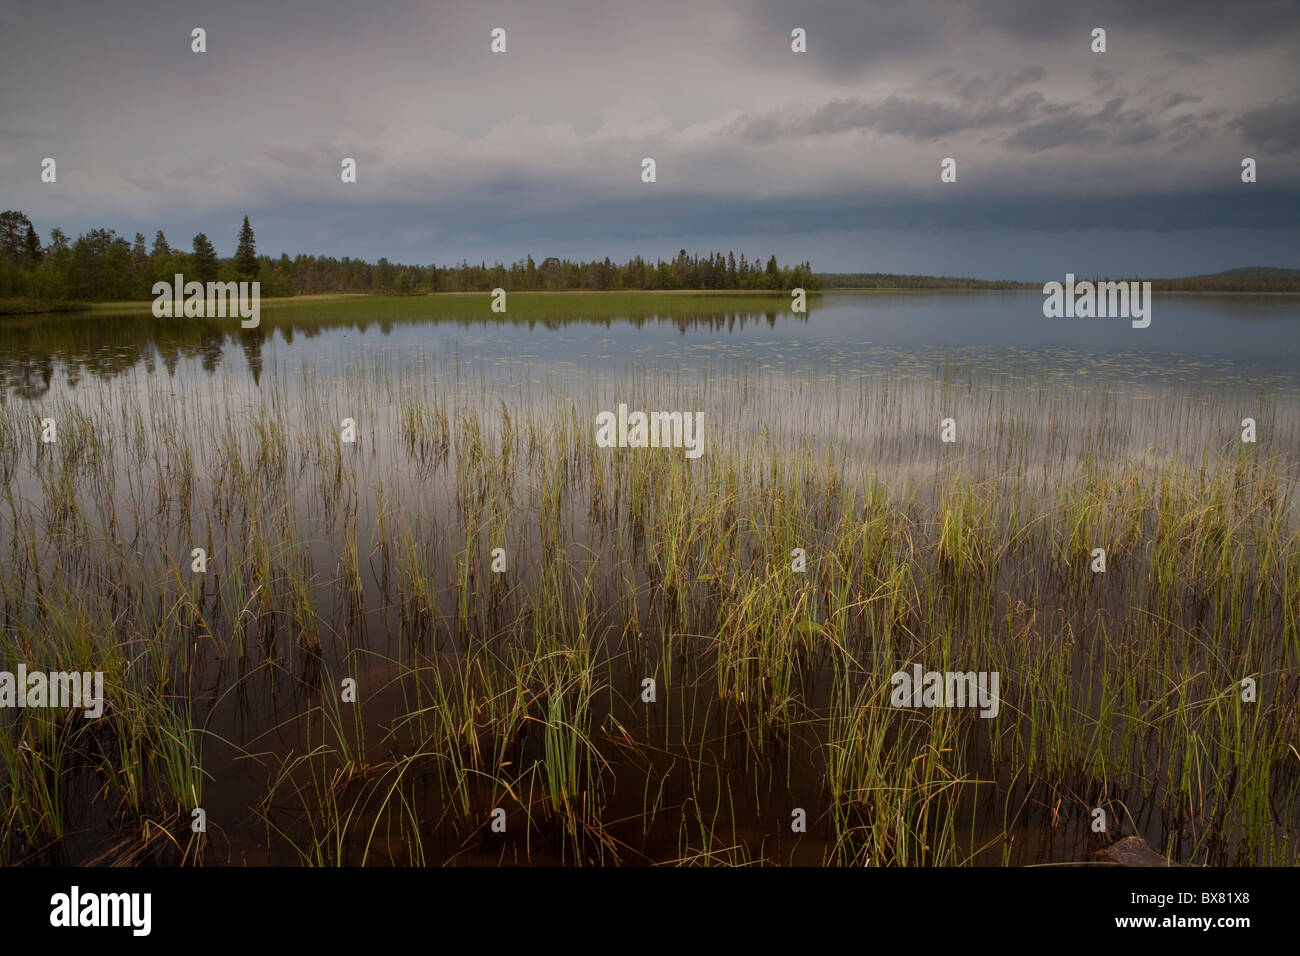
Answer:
(205, 259)
(32, 251)
(246, 253)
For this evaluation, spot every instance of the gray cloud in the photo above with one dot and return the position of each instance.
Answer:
(462, 151)
(985, 107)
(1111, 124)
(853, 38)
(1050, 133)
(981, 101)
(893, 116)
(1186, 131)
(1274, 127)
(1154, 26)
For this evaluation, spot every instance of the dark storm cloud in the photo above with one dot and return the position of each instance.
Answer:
(853, 37)
(1203, 26)
(988, 87)
(850, 38)
(893, 116)
(981, 101)
(1038, 124)
(1271, 127)
(1050, 133)
(1186, 131)
(1111, 124)
(463, 152)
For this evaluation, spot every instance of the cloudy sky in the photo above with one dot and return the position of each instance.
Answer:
(1125, 162)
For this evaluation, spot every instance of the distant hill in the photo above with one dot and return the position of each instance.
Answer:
(1254, 272)
(1244, 279)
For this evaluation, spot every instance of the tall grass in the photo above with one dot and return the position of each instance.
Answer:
(523, 690)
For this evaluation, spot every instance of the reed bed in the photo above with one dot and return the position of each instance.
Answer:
(524, 690)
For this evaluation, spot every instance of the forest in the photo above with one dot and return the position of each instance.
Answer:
(101, 266)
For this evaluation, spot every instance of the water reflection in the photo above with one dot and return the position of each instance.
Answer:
(103, 345)
(1251, 333)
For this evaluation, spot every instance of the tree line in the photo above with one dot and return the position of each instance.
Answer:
(101, 265)
(889, 280)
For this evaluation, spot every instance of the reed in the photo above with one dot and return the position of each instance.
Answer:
(523, 690)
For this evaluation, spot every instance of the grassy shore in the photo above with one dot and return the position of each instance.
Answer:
(458, 303)
(20, 306)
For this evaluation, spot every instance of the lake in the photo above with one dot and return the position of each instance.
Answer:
(635, 656)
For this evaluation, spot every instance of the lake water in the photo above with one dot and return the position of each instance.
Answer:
(372, 560)
(1236, 335)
